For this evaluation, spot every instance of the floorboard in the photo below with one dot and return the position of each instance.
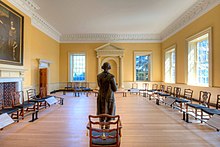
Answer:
(144, 124)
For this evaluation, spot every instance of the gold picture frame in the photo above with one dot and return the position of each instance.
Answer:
(11, 36)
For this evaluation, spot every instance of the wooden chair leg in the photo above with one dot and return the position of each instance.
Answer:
(22, 113)
(38, 105)
(186, 108)
(17, 116)
(181, 107)
(201, 116)
(196, 114)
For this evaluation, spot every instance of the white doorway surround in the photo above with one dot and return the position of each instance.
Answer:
(109, 52)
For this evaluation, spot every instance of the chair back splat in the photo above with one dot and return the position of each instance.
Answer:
(31, 94)
(145, 85)
(162, 88)
(104, 133)
(134, 85)
(188, 93)
(176, 91)
(16, 96)
(204, 98)
(154, 86)
(169, 89)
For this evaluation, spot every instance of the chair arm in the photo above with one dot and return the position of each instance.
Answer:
(88, 126)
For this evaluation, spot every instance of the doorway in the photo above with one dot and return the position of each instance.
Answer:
(43, 82)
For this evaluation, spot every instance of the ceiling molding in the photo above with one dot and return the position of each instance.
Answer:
(194, 12)
(83, 38)
(44, 26)
(29, 7)
(198, 9)
(26, 6)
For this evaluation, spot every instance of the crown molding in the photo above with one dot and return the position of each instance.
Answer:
(111, 38)
(198, 9)
(28, 7)
(44, 26)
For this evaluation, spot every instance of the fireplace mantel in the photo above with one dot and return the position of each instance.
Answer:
(11, 71)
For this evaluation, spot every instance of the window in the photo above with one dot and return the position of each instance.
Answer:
(77, 67)
(199, 59)
(170, 62)
(142, 66)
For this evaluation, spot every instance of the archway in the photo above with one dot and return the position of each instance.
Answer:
(114, 66)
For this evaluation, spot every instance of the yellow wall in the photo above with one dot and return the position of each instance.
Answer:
(210, 19)
(43, 47)
(37, 45)
(128, 66)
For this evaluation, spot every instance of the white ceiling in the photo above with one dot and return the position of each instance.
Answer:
(111, 16)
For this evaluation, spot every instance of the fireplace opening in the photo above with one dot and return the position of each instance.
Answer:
(5, 92)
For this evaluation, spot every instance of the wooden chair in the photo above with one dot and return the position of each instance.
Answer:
(151, 91)
(104, 133)
(69, 86)
(144, 91)
(77, 89)
(169, 90)
(204, 100)
(85, 88)
(18, 102)
(187, 97)
(13, 111)
(134, 85)
(32, 97)
(163, 94)
(176, 92)
(145, 85)
(134, 89)
(212, 111)
(188, 93)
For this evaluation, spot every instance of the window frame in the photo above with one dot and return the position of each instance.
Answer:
(191, 38)
(70, 65)
(169, 49)
(138, 53)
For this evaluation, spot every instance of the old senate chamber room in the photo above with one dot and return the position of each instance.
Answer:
(109, 73)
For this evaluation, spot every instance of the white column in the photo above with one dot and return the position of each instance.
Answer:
(99, 65)
(121, 72)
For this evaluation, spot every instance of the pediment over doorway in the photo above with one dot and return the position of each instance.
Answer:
(109, 50)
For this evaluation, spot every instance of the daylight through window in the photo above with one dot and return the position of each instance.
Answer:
(78, 67)
(142, 63)
(170, 69)
(199, 61)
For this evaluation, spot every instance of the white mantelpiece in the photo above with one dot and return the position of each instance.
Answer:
(11, 71)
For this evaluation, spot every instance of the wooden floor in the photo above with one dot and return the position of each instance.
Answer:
(144, 124)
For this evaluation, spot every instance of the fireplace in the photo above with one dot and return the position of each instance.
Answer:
(8, 85)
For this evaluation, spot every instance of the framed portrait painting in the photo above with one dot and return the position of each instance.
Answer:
(11, 36)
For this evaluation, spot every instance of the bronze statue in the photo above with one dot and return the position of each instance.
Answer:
(107, 87)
